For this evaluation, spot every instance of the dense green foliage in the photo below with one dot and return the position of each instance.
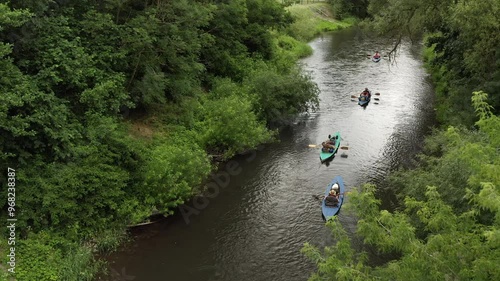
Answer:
(345, 8)
(448, 226)
(110, 111)
(48, 257)
(229, 123)
(273, 92)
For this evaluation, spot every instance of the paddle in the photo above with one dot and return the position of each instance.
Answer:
(317, 145)
(345, 146)
(385, 56)
(343, 154)
(314, 145)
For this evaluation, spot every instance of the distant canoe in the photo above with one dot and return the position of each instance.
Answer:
(323, 156)
(364, 100)
(376, 59)
(330, 211)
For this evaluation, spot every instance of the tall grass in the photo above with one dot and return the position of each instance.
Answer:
(295, 48)
(79, 264)
(313, 19)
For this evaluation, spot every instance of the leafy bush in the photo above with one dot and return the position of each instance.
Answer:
(48, 257)
(281, 96)
(228, 123)
(341, 8)
(176, 165)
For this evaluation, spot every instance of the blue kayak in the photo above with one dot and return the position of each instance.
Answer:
(364, 100)
(325, 155)
(330, 211)
(374, 59)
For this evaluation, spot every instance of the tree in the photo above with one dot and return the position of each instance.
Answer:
(240, 29)
(173, 169)
(280, 96)
(228, 123)
(164, 43)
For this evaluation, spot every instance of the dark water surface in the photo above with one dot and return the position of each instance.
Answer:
(254, 228)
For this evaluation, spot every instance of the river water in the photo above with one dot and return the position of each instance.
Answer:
(265, 210)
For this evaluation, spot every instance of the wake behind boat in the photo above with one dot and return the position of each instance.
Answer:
(330, 147)
(334, 197)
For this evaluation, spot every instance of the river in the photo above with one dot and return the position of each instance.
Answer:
(254, 228)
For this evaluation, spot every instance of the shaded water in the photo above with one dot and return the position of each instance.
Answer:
(254, 228)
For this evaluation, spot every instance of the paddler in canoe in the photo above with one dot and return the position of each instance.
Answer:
(366, 94)
(329, 145)
(332, 199)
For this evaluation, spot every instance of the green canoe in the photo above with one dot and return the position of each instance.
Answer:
(323, 156)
